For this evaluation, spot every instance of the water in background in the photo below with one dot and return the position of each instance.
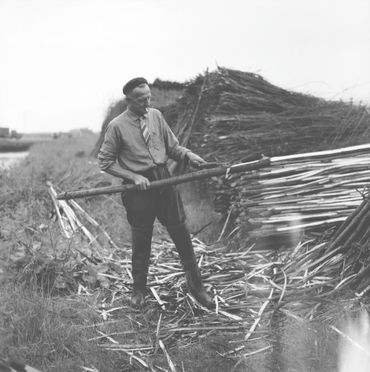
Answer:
(8, 159)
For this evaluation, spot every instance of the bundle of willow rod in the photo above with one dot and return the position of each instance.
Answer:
(308, 191)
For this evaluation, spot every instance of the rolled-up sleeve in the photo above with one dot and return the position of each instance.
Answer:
(173, 148)
(109, 149)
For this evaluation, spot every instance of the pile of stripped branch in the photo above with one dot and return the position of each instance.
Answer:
(248, 288)
(237, 281)
(70, 223)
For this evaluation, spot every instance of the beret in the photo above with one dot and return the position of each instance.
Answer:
(132, 84)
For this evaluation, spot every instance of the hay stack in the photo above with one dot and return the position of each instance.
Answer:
(230, 116)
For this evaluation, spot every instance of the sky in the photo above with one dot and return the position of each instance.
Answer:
(62, 62)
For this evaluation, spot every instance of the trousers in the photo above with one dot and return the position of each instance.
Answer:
(143, 207)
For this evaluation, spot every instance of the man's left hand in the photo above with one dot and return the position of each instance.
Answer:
(195, 160)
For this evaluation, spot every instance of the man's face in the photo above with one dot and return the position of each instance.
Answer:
(138, 100)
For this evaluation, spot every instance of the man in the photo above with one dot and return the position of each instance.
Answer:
(136, 148)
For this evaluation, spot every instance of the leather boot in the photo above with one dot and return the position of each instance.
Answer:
(181, 237)
(141, 246)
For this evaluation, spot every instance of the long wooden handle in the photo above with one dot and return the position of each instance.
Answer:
(206, 173)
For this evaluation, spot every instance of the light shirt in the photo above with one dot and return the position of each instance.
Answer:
(124, 142)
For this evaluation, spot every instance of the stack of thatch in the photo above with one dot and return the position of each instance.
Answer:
(229, 116)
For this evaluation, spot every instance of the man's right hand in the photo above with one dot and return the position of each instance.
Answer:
(141, 181)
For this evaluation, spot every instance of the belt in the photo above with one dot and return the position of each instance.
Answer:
(160, 171)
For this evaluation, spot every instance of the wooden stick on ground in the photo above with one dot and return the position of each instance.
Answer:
(94, 223)
(53, 195)
(259, 316)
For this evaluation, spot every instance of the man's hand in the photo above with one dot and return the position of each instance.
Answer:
(195, 160)
(141, 181)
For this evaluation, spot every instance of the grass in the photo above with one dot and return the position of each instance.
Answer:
(46, 332)
(45, 323)
(37, 325)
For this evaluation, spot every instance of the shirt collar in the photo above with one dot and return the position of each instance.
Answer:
(135, 116)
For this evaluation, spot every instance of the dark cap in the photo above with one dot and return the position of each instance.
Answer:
(132, 84)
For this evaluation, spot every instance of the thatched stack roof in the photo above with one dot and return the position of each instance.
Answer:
(230, 116)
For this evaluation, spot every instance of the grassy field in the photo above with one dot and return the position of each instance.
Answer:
(45, 320)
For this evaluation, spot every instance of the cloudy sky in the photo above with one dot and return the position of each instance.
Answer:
(63, 61)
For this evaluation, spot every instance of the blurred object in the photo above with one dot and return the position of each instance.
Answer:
(11, 366)
(354, 350)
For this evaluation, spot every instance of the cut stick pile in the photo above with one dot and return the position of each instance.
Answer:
(70, 223)
(247, 287)
(309, 191)
(241, 286)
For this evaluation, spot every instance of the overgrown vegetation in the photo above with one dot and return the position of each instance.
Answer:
(40, 321)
